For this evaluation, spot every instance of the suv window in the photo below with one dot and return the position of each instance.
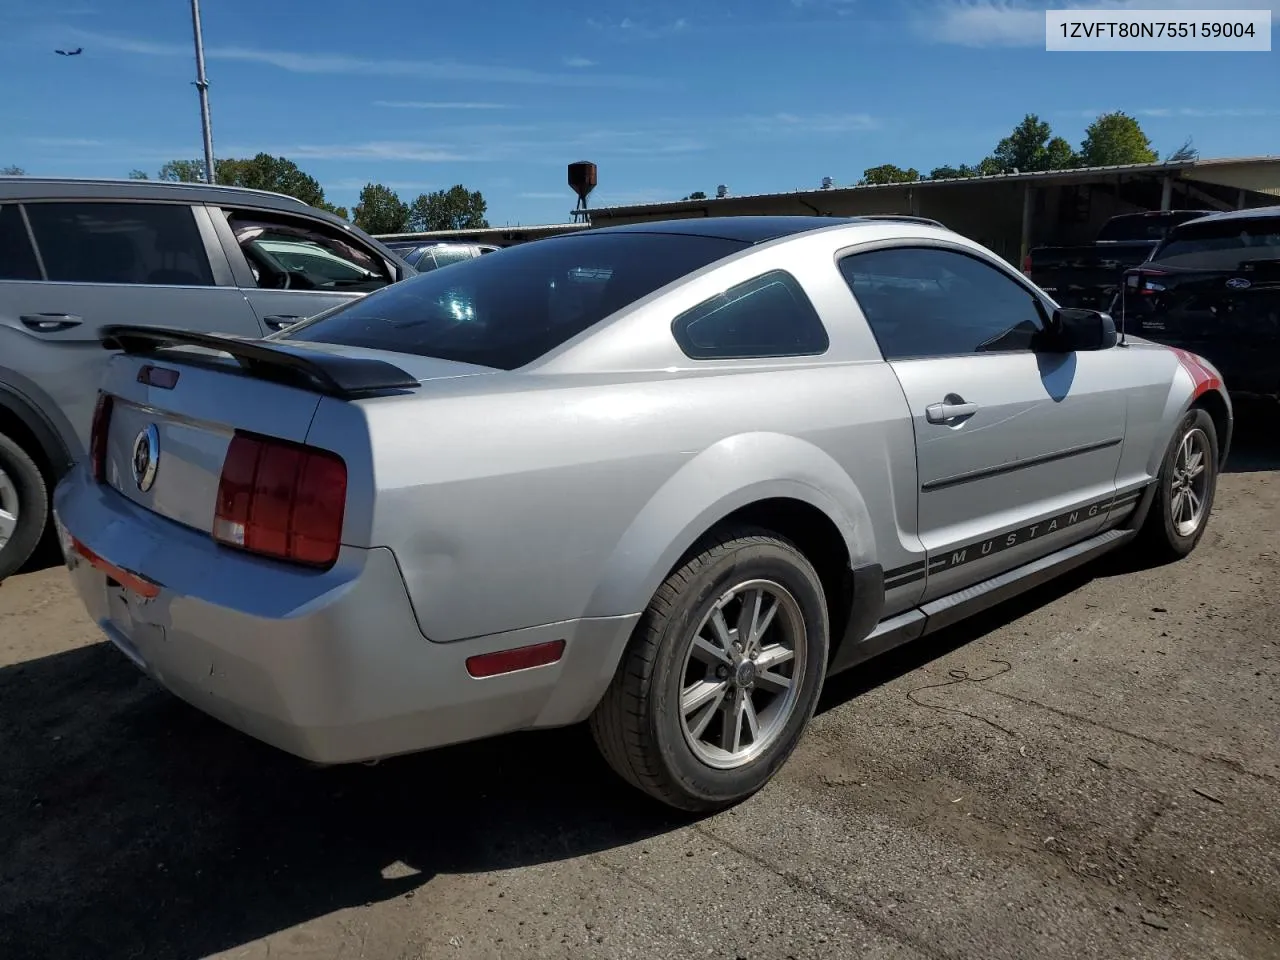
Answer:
(929, 302)
(112, 242)
(507, 311)
(17, 257)
(768, 316)
(285, 253)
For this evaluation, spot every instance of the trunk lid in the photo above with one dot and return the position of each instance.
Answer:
(173, 412)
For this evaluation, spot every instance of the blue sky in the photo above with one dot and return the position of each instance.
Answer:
(665, 97)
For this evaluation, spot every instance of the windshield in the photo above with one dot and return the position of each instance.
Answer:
(1221, 244)
(1143, 226)
(507, 311)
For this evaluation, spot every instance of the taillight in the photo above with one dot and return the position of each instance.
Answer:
(1026, 265)
(98, 437)
(281, 500)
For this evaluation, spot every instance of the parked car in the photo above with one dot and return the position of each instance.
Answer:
(76, 255)
(664, 477)
(1213, 286)
(432, 256)
(1089, 275)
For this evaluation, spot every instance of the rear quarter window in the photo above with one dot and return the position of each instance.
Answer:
(768, 316)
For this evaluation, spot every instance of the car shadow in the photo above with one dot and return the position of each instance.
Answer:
(135, 826)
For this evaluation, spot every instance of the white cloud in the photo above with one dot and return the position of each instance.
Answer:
(1020, 23)
(628, 28)
(579, 63)
(438, 105)
(64, 142)
(816, 123)
(1162, 113)
(334, 63)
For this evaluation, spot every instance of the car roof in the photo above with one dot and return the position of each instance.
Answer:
(66, 188)
(752, 229)
(1252, 213)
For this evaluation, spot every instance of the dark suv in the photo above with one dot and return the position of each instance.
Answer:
(77, 255)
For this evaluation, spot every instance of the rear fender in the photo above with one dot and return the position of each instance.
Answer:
(36, 411)
(730, 475)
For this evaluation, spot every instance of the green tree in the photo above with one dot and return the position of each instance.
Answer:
(380, 210)
(138, 175)
(12, 172)
(1184, 153)
(454, 209)
(336, 211)
(1059, 155)
(888, 173)
(260, 172)
(1115, 138)
(987, 167)
(945, 173)
(183, 171)
(696, 195)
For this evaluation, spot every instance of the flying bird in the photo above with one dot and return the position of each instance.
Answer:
(71, 53)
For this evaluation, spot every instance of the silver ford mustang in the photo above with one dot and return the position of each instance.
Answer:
(664, 477)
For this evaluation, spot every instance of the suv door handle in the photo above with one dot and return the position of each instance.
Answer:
(950, 410)
(278, 321)
(51, 322)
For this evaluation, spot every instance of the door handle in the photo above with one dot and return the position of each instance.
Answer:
(50, 322)
(953, 408)
(278, 321)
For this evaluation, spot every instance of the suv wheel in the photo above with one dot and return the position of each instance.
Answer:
(24, 506)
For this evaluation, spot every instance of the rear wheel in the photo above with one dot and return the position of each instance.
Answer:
(721, 676)
(24, 506)
(1185, 490)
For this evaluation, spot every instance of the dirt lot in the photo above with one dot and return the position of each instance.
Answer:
(1090, 771)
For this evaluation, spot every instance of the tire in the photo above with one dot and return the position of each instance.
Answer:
(639, 725)
(1162, 537)
(22, 491)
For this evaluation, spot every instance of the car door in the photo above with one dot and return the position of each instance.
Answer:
(1016, 451)
(104, 262)
(291, 266)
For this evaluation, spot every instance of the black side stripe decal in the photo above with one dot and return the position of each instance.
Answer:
(987, 472)
(979, 549)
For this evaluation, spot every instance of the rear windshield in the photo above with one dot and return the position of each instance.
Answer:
(1142, 226)
(1221, 244)
(509, 309)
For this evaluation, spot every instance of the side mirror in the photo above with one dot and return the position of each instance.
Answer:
(1073, 329)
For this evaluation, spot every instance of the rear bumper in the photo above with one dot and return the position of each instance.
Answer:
(328, 666)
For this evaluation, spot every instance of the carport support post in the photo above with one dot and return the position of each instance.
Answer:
(1166, 193)
(1027, 206)
(202, 85)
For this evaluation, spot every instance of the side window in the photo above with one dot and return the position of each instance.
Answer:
(288, 253)
(446, 254)
(926, 302)
(768, 316)
(17, 257)
(146, 243)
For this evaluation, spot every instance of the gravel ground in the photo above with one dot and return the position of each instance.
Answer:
(1091, 771)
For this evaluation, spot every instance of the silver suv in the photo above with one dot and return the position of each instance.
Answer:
(77, 255)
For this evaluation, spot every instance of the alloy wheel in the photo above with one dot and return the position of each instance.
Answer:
(741, 678)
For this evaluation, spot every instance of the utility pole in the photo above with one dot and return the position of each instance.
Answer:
(202, 85)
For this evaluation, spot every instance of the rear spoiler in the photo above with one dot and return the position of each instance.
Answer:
(333, 375)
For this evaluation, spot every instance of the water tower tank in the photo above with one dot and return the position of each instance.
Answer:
(582, 179)
(721, 192)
